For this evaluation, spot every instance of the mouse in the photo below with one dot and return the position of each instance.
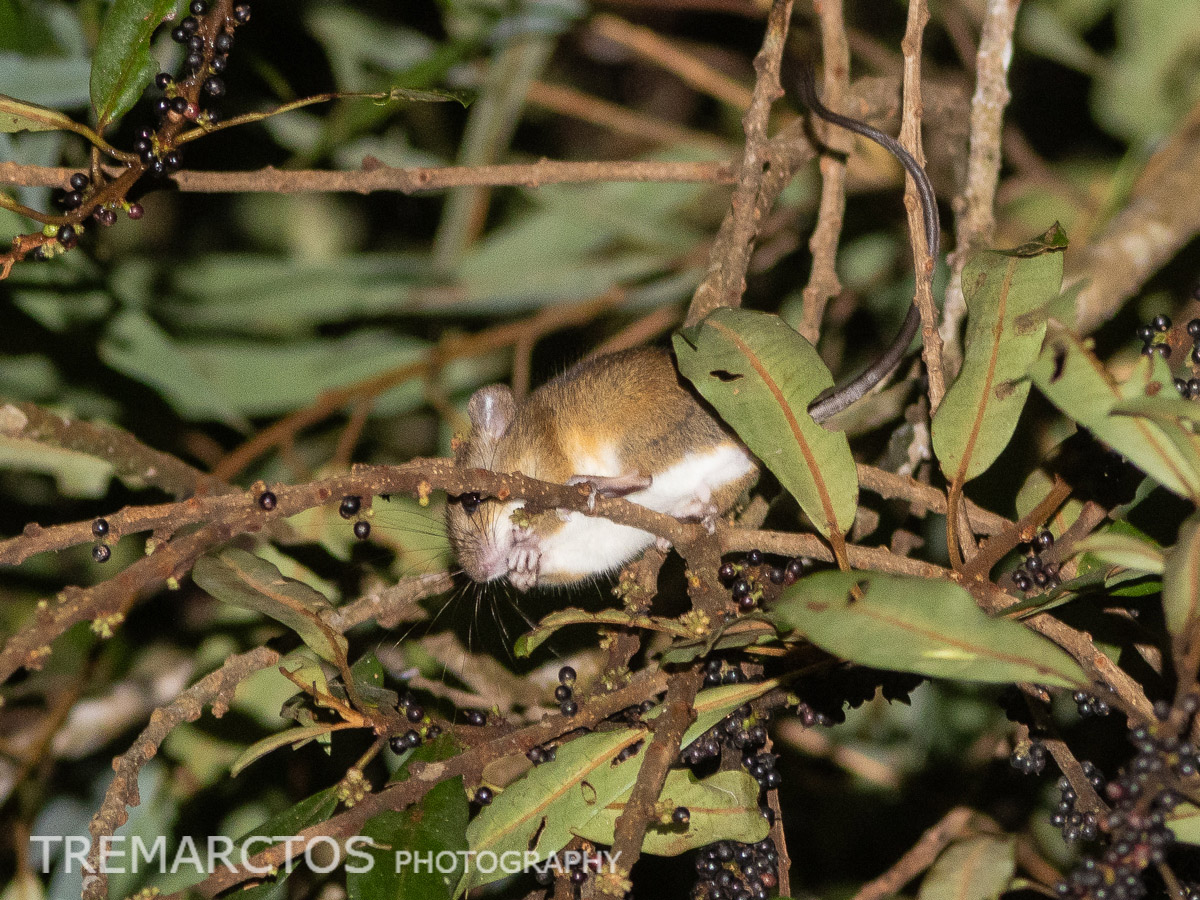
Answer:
(625, 424)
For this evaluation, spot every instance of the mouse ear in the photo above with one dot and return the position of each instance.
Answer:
(491, 410)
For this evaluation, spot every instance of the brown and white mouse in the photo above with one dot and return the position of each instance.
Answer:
(622, 422)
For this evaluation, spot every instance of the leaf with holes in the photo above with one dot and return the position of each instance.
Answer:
(1078, 384)
(538, 813)
(930, 627)
(1006, 293)
(761, 375)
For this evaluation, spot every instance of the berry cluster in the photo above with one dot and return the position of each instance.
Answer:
(577, 866)
(1154, 341)
(1090, 705)
(745, 578)
(1029, 758)
(1148, 334)
(1034, 572)
(1076, 824)
(824, 698)
(100, 550)
(543, 754)
(564, 694)
(81, 194)
(728, 870)
(350, 507)
(743, 731)
(415, 736)
(1135, 830)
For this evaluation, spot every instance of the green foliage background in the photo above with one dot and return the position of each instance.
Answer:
(218, 313)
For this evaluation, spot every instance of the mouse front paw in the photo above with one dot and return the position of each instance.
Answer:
(524, 563)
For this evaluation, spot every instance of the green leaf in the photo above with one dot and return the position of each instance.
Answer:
(367, 673)
(1185, 822)
(1076, 382)
(921, 625)
(715, 704)
(1005, 295)
(435, 825)
(540, 812)
(244, 580)
(1123, 550)
(297, 737)
(308, 812)
(761, 375)
(1181, 580)
(530, 641)
(978, 868)
(722, 807)
(17, 115)
(121, 64)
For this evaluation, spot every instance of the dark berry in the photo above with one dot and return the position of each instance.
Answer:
(195, 44)
(100, 528)
(795, 567)
(1022, 581)
(747, 603)
(535, 755)
(1145, 333)
(189, 25)
(476, 718)
(350, 507)
(136, 210)
(241, 12)
(562, 693)
(569, 708)
(726, 574)
(1044, 540)
(777, 575)
(1163, 350)
(72, 200)
(143, 145)
(754, 557)
(415, 712)
(484, 795)
(79, 181)
(178, 35)
(741, 588)
(578, 877)
(432, 733)
(267, 500)
(101, 553)
(171, 159)
(1193, 386)
(66, 236)
(162, 81)
(681, 816)
(1161, 323)
(179, 104)
(218, 64)
(1181, 387)
(223, 43)
(214, 86)
(107, 217)
(193, 61)
(198, 7)
(397, 744)
(566, 675)
(1193, 328)
(362, 530)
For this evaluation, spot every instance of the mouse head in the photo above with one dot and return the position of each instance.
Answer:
(481, 531)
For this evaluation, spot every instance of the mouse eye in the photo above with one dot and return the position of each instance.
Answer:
(470, 502)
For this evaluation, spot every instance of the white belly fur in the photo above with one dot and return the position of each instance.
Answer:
(587, 544)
